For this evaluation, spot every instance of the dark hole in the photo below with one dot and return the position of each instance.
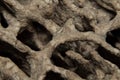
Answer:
(60, 50)
(116, 32)
(108, 56)
(44, 35)
(113, 37)
(67, 62)
(113, 14)
(85, 25)
(19, 58)
(58, 61)
(53, 76)
(3, 21)
(83, 71)
(27, 38)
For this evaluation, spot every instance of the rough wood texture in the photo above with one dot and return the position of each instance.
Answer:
(59, 40)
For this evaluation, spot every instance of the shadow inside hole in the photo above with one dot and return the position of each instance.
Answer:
(83, 71)
(43, 34)
(59, 58)
(53, 76)
(35, 35)
(113, 37)
(108, 56)
(3, 21)
(85, 26)
(19, 58)
(27, 38)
